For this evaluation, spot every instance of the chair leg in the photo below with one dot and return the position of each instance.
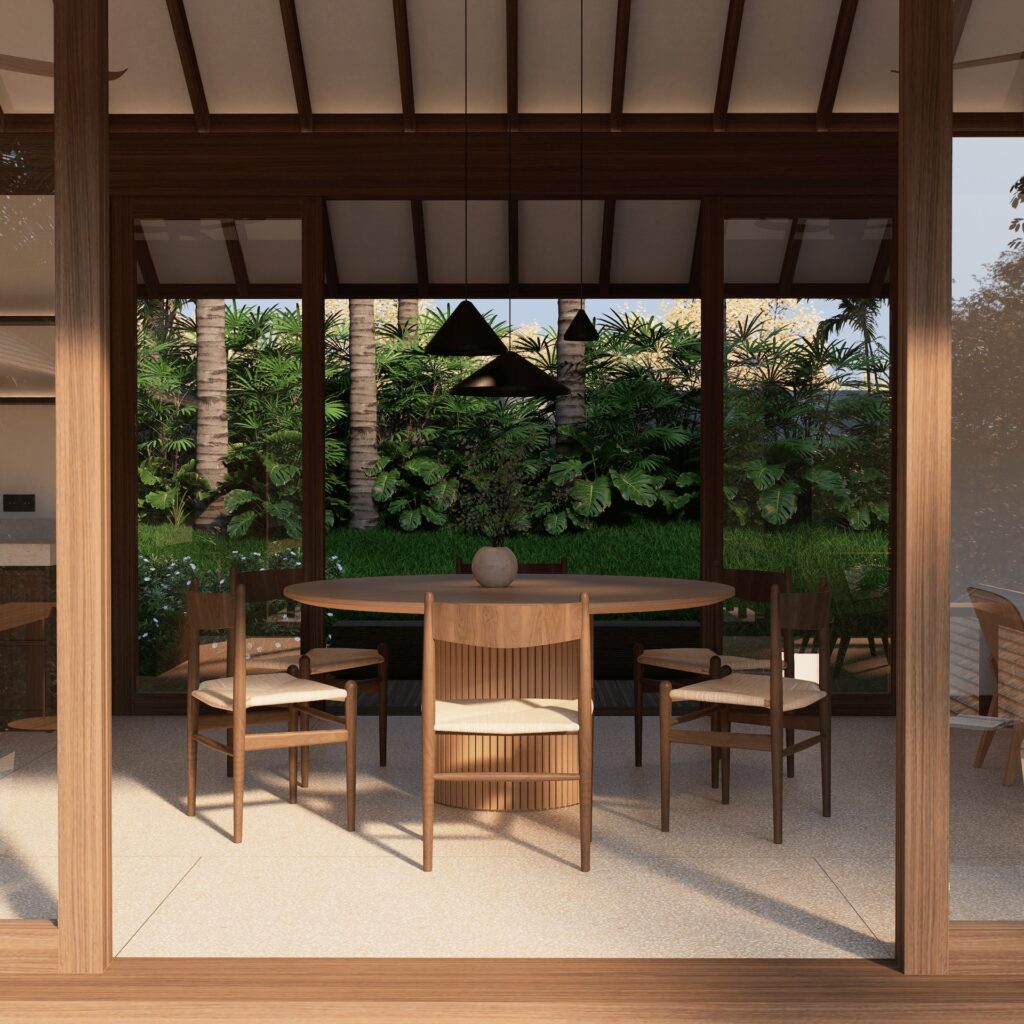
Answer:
(351, 702)
(192, 761)
(1013, 755)
(429, 754)
(983, 744)
(791, 759)
(586, 764)
(229, 741)
(638, 706)
(872, 649)
(304, 753)
(665, 748)
(293, 757)
(726, 756)
(844, 645)
(825, 725)
(238, 779)
(382, 705)
(776, 751)
(716, 753)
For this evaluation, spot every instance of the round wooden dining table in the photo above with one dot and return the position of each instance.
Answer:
(482, 677)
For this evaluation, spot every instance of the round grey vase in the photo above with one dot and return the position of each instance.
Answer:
(494, 567)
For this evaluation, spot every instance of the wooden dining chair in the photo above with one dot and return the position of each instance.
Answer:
(753, 587)
(777, 700)
(266, 586)
(236, 701)
(997, 616)
(559, 568)
(525, 705)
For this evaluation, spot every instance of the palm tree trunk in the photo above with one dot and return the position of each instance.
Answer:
(571, 408)
(212, 405)
(409, 318)
(362, 412)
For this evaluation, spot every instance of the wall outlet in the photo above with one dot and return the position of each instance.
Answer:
(19, 503)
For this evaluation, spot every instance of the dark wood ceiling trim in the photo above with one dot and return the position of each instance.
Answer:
(405, 65)
(189, 64)
(297, 62)
(961, 9)
(513, 247)
(619, 63)
(330, 256)
(882, 260)
(14, 320)
(419, 238)
(512, 63)
(144, 258)
(727, 67)
(237, 257)
(792, 254)
(836, 60)
(607, 240)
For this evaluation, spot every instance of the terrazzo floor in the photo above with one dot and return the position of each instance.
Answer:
(505, 884)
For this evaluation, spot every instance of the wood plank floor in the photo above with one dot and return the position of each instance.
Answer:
(378, 991)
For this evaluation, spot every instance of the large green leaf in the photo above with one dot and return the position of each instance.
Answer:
(236, 499)
(240, 525)
(778, 504)
(555, 523)
(433, 515)
(385, 484)
(410, 519)
(443, 494)
(828, 480)
(636, 486)
(428, 470)
(762, 475)
(591, 497)
(858, 518)
(566, 471)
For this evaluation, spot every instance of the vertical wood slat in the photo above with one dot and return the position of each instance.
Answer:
(313, 431)
(83, 485)
(712, 401)
(924, 357)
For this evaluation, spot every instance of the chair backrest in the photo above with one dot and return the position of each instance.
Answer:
(808, 613)
(488, 649)
(207, 612)
(264, 585)
(559, 568)
(994, 612)
(754, 584)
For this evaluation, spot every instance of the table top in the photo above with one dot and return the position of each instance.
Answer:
(608, 594)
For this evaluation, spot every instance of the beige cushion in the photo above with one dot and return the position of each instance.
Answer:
(698, 660)
(322, 659)
(750, 691)
(263, 690)
(506, 717)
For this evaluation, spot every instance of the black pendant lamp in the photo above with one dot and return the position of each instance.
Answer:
(510, 376)
(582, 327)
(466, 332)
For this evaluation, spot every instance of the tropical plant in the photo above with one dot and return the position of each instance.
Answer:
(363, 449)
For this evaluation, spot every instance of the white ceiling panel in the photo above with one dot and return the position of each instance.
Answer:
(549, 240)
(242, 56)
(653, 240)
(549, 55)
(27, 361)
(868, 83)
(26, 255)
(754, 250)
(839, 251)
(994, 28)
(27, 32)
(675, 49)
(188, 251)
(272, 250)
(142, 43)
(783, 51)
(373, 241)
(437, 33)
(444, 225)
(351, 56)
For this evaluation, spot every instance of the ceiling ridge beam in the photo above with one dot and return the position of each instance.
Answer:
(419, 238)
(297, 63)
(512, 63)
(237, 256)
(404, 48)
(792, 254)
(607, 239)
(330, 256)
(961, 9)
(189, 63)
(836, 59)
(727, 67)
(619, 63)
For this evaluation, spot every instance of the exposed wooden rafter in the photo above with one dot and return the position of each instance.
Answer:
(189, 64)
(237, 257)
(836, 59)
(882, 260)
(961, 9)
(419, 238)
(405, 64)
(697, 247)
(330, 257)
(619, 63)
(607, 239)
(297, 62)
(512, 62)
(144, 258)
(513, 247)
(792, 254)
(726, 69)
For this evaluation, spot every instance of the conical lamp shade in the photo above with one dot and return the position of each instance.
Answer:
(582, 328)
(465, 333)
(510, 376)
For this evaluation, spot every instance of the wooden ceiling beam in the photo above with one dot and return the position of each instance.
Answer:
(607, 240)
(792, 254)
(419, 238)
(836, 60)
(512, 63)
(697, 247)
(144, 258)
(405, 65)
(727, 67)
(619, 63)
(189, 64)
(513, 248)
(297, 62)
(330, 256)
(237, 257)
(961, 9)
(883, 260)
